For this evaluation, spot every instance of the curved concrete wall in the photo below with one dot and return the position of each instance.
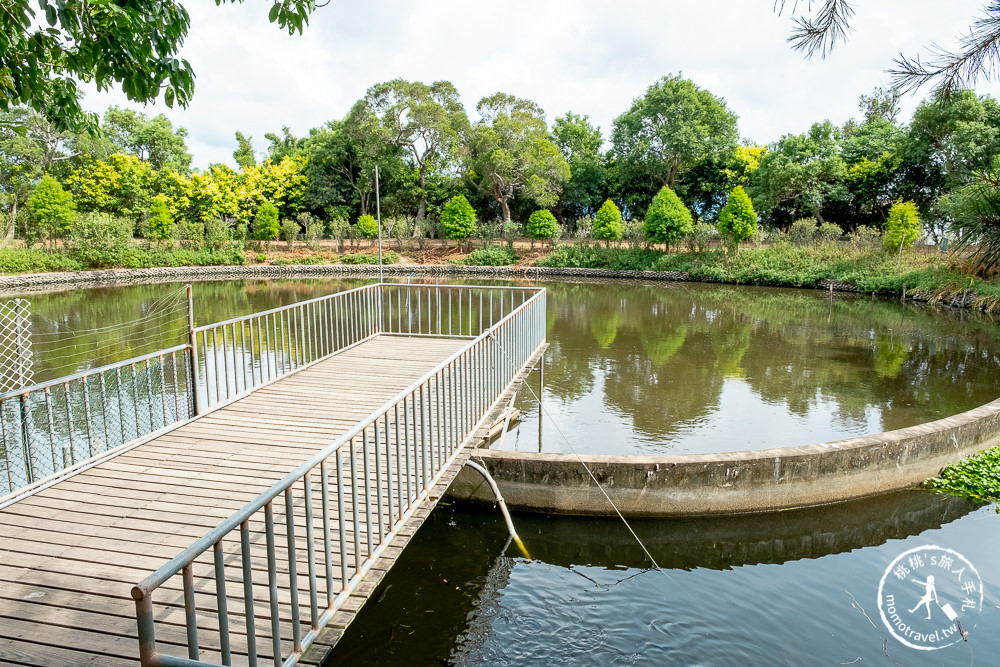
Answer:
(762, 480)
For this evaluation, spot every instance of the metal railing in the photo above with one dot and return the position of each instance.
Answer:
(239, 355)
(261, 586)
(51, 426)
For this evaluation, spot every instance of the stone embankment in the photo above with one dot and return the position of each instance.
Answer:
(73, 279)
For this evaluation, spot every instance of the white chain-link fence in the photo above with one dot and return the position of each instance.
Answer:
(15, 345)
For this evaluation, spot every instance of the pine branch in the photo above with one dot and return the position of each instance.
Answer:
(979, 56)
(823, 31)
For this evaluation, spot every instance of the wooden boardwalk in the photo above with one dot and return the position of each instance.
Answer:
(70, 554)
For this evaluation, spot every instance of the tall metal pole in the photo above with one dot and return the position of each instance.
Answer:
(381, 279)
(193, 343)
(378, 215)
(541, 388)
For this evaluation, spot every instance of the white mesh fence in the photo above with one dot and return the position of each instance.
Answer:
(15, 345)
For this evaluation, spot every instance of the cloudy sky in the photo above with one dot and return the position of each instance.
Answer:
(586, 56)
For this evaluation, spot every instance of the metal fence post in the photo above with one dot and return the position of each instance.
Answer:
(193, 345)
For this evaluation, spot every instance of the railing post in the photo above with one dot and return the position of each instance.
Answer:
(193, 344)
(146, 629)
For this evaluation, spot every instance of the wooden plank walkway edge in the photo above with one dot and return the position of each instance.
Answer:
(323, 646)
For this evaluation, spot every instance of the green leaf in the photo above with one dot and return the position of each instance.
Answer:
(273, 14)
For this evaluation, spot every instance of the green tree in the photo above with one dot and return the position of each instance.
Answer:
(265, 224)
(284, 145)
(120, 186)
(243, 155)
(280, 183)
(668, 220)
(608, 222)
(580, 143)
(947, 139)
(872, 160)
(903, 226)
(458, 218)
(425, 120)
(368, 226)
(341, 161)
(161, 222)
(152, 140)
(130, 45)
(542, 224)
(800, 173)
(52, 207)
(30, 145)
(510, 153)
(670, 130)
(737, 219)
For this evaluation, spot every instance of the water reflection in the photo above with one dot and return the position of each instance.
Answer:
(786, 588)
(633, 367)
(656, 368)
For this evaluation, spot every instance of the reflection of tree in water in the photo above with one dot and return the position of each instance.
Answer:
(890, 355)
(85, 328)
(665, 350)
(661, 344)
(730, 342)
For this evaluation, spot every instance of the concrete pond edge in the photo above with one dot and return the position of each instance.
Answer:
(756, 481)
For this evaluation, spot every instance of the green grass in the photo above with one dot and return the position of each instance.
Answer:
(491, 256)
(787, 265)
(24, 260)
(977, 477)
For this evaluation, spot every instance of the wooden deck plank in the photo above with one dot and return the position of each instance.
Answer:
(72, 552)
(81, 544)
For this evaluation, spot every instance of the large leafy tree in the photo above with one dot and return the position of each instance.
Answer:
(580, 143)
(340, 165)
(510, 153)
(121, 186)
(34, 148)
(872, 168)
(670, 130)
(799, 173)
(48, 46)
(425, 120)
(947, 137)
(153, 140)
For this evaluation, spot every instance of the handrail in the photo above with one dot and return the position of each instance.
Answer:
(450, 402)
(291, 306)
(40, 386)
(224, 361)
(189, 554)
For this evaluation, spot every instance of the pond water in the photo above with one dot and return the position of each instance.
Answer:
(793, 588)
(633, 367)
(656, 368)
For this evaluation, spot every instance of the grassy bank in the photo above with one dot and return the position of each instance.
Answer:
(784, 264)
(869, 269)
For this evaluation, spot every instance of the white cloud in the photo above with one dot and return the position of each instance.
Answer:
(587, 56)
